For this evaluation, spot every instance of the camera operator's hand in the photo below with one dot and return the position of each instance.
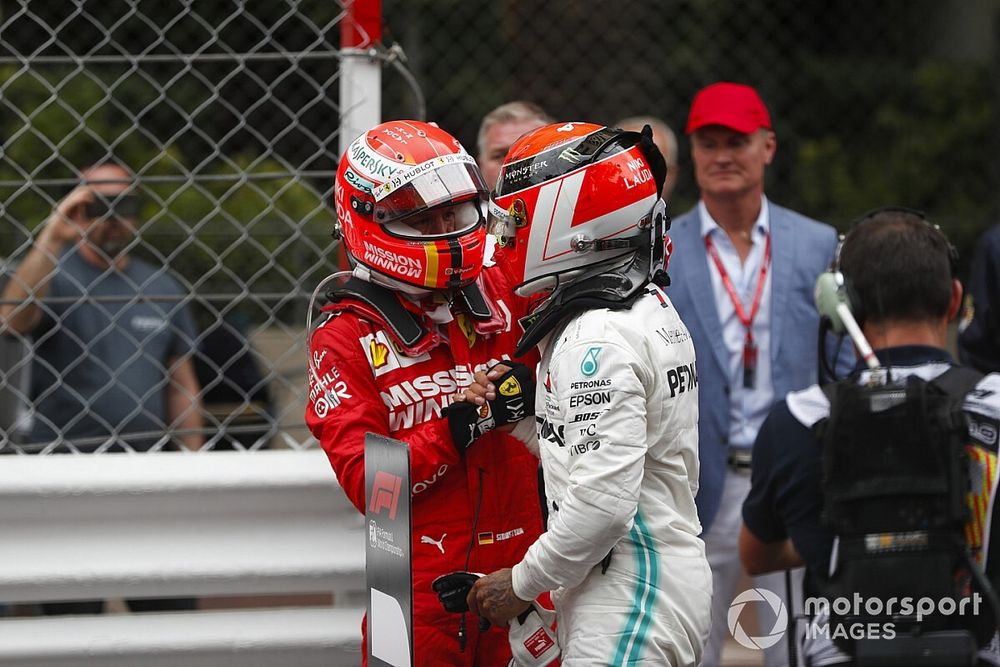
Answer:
(30, 283)
(68, 221)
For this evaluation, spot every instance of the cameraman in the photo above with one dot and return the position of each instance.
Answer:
(901, 271)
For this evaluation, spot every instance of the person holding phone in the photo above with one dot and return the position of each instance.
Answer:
(112, 335)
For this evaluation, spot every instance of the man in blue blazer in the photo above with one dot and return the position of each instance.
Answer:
(743, 272)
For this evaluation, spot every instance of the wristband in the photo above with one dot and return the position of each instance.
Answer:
(468, 421)
(515, 395)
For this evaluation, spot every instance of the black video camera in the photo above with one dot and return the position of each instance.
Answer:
(124, 206)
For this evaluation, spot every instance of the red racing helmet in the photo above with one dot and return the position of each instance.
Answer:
(409, 206)
(572, 196)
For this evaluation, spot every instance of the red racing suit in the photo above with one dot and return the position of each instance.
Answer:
(476, 511)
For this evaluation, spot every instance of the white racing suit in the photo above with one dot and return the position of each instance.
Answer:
(617, 427)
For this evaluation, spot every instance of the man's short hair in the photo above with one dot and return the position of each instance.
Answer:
(512, 112)
(899, 266)
(659, 127)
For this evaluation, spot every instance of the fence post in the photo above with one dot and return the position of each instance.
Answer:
(360, 70)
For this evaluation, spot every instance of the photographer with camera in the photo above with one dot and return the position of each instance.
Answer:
(112, 335)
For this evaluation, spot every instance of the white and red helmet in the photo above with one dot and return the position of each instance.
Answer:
(572, 196)
(396, 174)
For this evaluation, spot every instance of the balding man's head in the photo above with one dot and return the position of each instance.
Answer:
(107, 178)
(500, 129)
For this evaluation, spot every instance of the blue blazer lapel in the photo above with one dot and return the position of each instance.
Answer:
(782, 270)
(696, 280)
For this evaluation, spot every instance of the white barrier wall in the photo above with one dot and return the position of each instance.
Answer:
(179, 524)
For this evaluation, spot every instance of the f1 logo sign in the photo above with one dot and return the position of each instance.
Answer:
(385, 493)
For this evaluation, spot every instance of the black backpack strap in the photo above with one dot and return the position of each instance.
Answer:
(830, 390)
(957, 382)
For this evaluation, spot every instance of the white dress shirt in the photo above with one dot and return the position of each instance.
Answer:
(747, 407)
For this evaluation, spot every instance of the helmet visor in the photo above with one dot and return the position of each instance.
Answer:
(441, 222)
(440, 181)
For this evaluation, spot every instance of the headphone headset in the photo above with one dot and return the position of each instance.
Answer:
(833, 288)
(840, 309)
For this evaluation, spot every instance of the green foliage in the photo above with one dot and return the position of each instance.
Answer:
(236, 228)
(923, 147)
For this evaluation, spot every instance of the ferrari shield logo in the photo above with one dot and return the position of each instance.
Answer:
(466, 326)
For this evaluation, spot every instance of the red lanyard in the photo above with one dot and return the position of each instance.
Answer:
(747, 321)
(749, 348)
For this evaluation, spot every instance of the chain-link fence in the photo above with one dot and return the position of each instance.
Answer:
(227, 115)
(226, 119)
(882, 102)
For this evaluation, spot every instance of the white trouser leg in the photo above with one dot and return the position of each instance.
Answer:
(721, 548)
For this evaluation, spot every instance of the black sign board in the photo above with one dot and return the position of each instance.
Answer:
(387, 561)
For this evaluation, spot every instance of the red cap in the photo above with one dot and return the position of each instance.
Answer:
(731, 105)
